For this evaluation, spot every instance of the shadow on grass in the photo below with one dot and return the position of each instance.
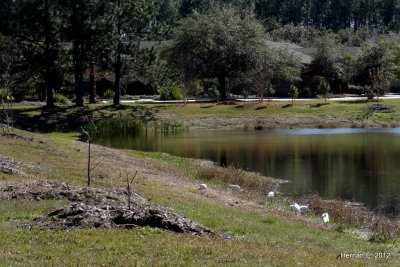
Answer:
(69, 118)
(355, 101)
(287, 106)
(319, 105)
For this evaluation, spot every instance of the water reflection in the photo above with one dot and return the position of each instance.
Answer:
(355, 164)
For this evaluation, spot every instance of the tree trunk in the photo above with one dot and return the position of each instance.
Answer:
(222, 87)
(48, 60)
(78, 68)
(92, 86)
(49, 88)
(117, 86)
(118, 64)
(78, 53)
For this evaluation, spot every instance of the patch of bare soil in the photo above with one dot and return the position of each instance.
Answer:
(99, 208)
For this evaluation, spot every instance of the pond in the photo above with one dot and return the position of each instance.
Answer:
(354, 164)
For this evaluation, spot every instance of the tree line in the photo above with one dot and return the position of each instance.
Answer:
(47, 45)
(330, 14)
(47, 40)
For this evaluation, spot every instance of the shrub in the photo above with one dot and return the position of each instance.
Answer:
(212, 92)
(323, 86)
(294, 92)
(246, 92)
(61, 99)
(170, 91)
(270, 90)
(109, 93)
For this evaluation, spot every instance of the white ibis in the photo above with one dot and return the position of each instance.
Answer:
(295, 207)
(202, 187)
(325, 218)
(234, 187)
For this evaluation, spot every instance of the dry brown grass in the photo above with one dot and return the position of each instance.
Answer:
(250, 181)
(382, 228)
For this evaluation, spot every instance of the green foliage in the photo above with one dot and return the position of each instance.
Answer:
(272, 62)
(108, 93)
(323, 86)
(170, 91)
(213, 39)
(212, 92)
(327, 61)
(294, 92)
(374, 56)
(304, 36)
(377, 83)
(270, 90)
(62, 99)
(9, 54)
(349, 37)
(6, 99)
(246, 92)
(4, 93)
(220, 43)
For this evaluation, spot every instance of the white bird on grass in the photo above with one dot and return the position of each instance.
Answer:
(271, 195)
(304, 208)
(234, 187)
(325, 218)
(202, 187)
(295, 207)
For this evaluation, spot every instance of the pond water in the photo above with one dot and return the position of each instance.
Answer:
(353, 164)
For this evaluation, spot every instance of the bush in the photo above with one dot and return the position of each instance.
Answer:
(246, 92)
(294, 92)
(109, 93)
(61, 99)
(323, 86)
(212, 92)
(170, 91)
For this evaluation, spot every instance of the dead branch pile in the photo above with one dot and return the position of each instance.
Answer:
(99, 208)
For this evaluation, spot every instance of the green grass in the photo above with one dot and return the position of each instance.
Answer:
(260, 240)
(338, 113)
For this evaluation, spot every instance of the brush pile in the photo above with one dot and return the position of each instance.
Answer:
(99, 208)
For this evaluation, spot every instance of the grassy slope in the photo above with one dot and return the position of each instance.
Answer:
(274, 115)
(268, 236)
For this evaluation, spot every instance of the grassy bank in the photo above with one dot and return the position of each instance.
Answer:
(227, 115)
(264, 233)
(271, 115)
